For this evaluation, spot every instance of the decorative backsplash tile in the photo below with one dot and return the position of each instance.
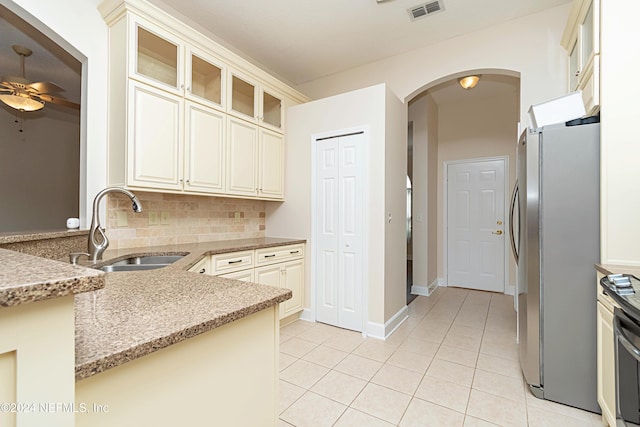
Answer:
(175, 218)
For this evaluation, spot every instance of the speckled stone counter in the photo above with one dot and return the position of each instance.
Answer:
(52, 244)
(618, 269)
(140, 312)
(28, 236)
(27, 278)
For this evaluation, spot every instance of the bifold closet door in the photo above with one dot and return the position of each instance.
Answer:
(339, 217)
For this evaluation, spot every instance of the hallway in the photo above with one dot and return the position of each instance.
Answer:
(453, 362)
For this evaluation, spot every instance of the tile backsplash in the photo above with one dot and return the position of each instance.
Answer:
(175, 218)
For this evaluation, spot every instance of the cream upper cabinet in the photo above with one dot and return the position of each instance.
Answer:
(581, 38)
(204, 149)
(187, 115)
(205, 79)
(156, 56)
(242, 158)
(254, 102)
(255, 160)
(271, 164)
(155, 151)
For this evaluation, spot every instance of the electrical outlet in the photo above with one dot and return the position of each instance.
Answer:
(154, 218)
(122, 219)
(237, 217)
(164, 218)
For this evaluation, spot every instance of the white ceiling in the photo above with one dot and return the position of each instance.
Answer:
(297, 40)
(303, 40)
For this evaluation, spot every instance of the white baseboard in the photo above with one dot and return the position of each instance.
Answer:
(308, 315)
(427, 290)
(382, 332)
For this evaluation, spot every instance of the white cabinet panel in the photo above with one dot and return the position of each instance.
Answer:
(271, 168)
(155, 138)
(242, 157)
(204, 149)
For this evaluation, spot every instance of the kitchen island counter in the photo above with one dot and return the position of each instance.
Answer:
(138, 313)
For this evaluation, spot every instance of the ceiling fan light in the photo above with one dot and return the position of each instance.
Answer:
(469, 82)
(21, 103)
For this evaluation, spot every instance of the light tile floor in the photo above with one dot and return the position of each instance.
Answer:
(453, 362)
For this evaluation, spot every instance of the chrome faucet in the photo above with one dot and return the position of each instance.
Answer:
(97, 247)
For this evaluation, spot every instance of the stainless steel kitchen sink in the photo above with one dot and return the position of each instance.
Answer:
(138, 263)
(149, 259)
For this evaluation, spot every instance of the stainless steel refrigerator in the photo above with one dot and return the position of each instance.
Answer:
(555, 218)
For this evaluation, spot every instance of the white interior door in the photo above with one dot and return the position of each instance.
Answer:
(339, 230)
(475, 225)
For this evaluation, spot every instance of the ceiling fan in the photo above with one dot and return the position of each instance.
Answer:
(19, 93)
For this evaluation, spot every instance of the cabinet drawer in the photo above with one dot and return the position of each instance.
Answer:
(203, 266)
(242, 275)
(234, 261)
(268, 256)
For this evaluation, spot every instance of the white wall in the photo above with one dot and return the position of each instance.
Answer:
(620, 144)
(423, 112)
(364, 108)
(395, 173)
(418, 114)
(77, 26)
(529, 46)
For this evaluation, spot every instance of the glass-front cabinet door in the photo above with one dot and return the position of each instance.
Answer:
(271, 110)
(205, 79)
(243, 97)
(574, 67)
(587, 38)
(157, 57)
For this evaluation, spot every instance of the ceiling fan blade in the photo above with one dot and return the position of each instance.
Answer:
(58, 101)
(45, 87)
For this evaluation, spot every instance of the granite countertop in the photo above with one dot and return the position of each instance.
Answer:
(137, 313)
(27, 278)
(16, 237)
(607, 269)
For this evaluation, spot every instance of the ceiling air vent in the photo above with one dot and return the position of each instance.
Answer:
(426, 9)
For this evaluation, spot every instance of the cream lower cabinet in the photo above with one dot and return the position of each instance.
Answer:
(242, 275)
(279, 266)
(289, 275)
(606, 358)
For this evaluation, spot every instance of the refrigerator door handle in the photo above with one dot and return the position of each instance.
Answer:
(514, 199)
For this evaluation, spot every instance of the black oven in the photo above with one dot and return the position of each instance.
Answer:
(627, 355)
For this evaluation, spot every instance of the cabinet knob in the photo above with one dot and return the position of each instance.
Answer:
(202, 271)
(577, 73)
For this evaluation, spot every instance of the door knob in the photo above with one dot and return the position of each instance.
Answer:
(499, 232)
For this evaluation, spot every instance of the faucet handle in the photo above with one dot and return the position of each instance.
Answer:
(73, 257)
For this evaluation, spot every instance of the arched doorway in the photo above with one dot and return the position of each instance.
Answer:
(449, 123)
